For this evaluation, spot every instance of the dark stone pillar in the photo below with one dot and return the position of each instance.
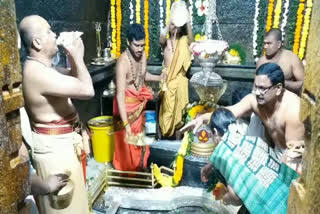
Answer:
(14, 171)
(305, 193)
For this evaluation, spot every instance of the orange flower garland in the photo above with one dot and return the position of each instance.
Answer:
(146, 26)
(277, 13)
(305, 29)
(138, 12)
(119, 19)
(114, 32)
(270, 13)
(168, 7)
(297, 32)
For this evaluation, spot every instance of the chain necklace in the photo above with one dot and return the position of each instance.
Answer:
(137, 78)
(34, 59)
(172, 47)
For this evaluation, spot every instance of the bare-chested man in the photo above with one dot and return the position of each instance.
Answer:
(48, 92)
(277, 107)
(289, 62)
(130, 101)
(177, 60)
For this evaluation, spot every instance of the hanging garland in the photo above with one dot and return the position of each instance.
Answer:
(119, 19)
(269, 16)
(161, 14)
(114, 32)
(172, 181)
(297, 33)
(261, 29)
(154, 29)
(146, 26)
(125, 22)
(305, 29)
(138, 12)
(292, 19)
(277, 13)
(191, 12)
(168, 6)
(255, 29)
(284, 18)
(131, 12)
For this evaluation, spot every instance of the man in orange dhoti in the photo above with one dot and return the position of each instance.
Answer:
(135, 157)
(177, 60)
(130, 101)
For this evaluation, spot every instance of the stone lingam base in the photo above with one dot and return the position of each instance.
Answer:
(190, 197)
(163, 153)
(120, 200)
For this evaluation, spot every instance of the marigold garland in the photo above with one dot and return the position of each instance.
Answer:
(269, 16)
(114, 32)
(196, 110)
(172, 181)
(119, 19)
(297, 33)
(168, 8)
(305, 29)
(138, 12)
(277, 13)
(146, 26)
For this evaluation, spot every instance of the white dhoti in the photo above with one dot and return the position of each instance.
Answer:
(54, 154)
(256, 127)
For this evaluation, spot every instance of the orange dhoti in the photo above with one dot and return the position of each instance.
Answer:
(129, 157)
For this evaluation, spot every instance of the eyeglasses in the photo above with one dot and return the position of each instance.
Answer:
(261, 90)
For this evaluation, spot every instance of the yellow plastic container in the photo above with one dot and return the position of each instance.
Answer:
(102, 138)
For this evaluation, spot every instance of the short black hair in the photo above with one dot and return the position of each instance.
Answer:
(276, 32)
(221, 119)
(136, 32)
(273, 71)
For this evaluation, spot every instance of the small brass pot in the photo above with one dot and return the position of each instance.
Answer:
(62, 198)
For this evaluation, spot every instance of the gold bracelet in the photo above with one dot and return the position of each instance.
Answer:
(125, 123)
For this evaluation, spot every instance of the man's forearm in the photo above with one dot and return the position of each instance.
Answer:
(206, 117)
(79, 70)
(122, 107)
(38, 186)
(294, 86)
(152, 78)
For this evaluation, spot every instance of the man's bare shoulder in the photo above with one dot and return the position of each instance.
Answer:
(122, 60)
(261, 61)
(291, 103)
(34, 71)
(289, 55)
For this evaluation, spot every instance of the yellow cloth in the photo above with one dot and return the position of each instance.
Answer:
(53, 154)
(176, 98)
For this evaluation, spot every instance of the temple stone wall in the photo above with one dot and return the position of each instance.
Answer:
(235, 17)
(236, 24)
(70, 15)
